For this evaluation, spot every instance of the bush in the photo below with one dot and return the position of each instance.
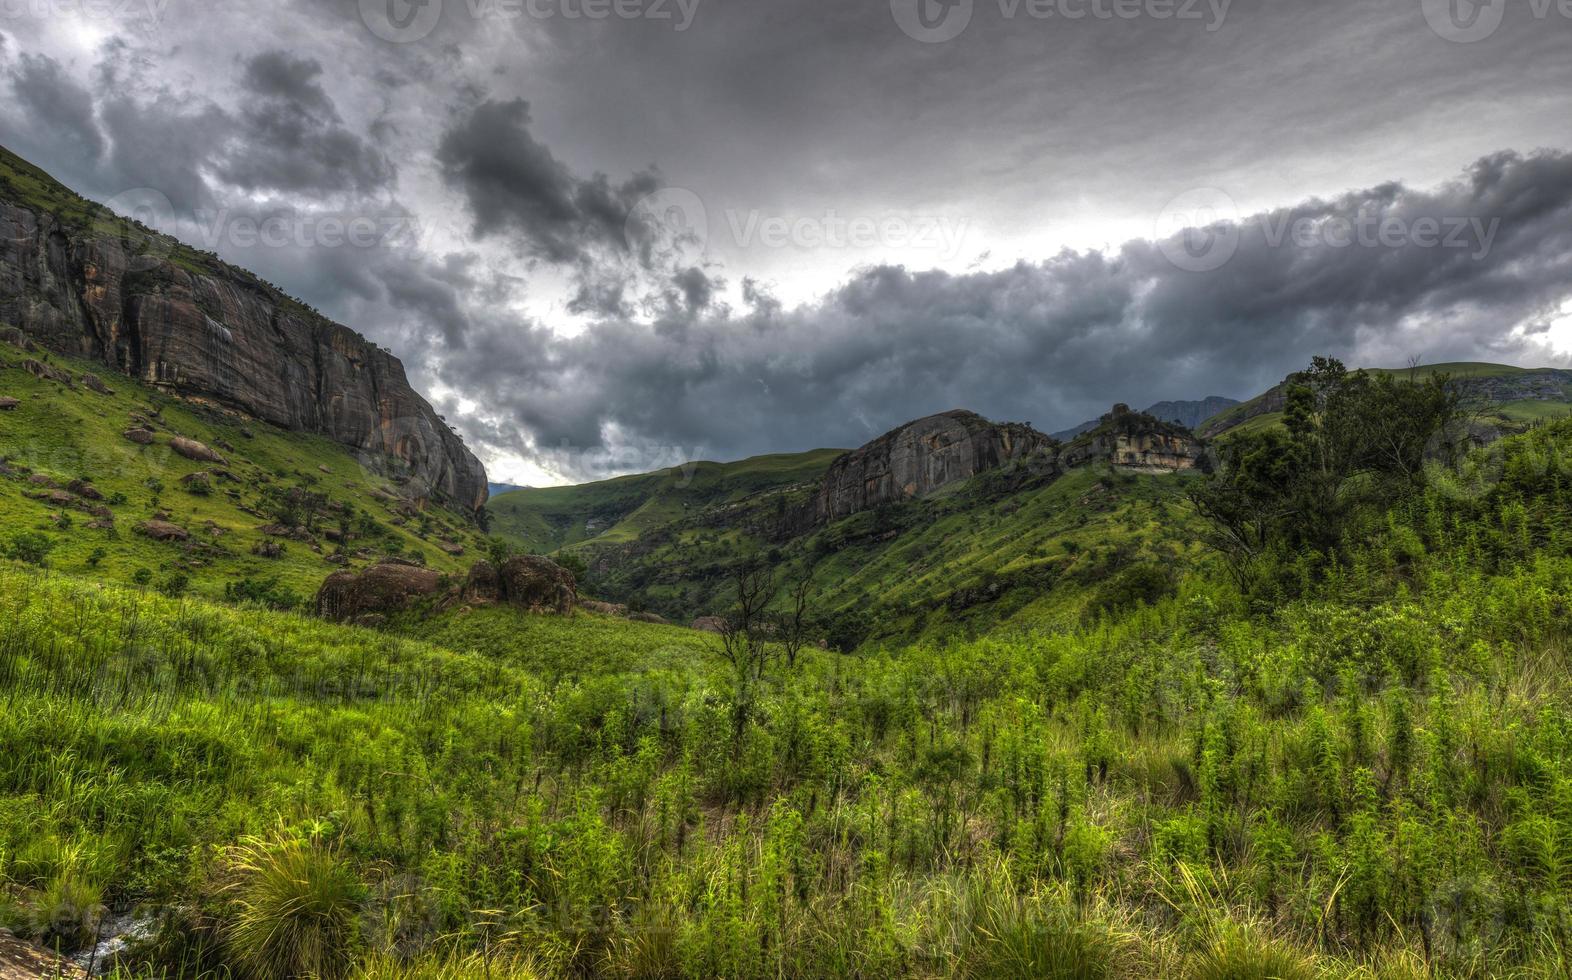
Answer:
(296, 911)
(266, 591)
(1142, 584)
(175, 584)
(29, 547)
(142, 576)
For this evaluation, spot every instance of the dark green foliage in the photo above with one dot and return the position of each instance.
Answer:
(29, 547)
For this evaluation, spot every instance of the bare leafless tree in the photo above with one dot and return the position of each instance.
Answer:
(741, 630)
(793, 624)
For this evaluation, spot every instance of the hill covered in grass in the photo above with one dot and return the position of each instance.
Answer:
(1369, 775)
(1497, 396)
(278, 513)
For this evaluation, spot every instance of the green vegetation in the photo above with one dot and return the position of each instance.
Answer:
(74, 490)
(1371, 777)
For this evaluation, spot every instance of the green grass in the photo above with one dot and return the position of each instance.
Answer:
(1372, 779)
(621, 510)
(73, 434)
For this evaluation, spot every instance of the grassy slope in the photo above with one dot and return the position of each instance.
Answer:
(545, 519)
(1377, 776)
(1241, 417)
(75, 433)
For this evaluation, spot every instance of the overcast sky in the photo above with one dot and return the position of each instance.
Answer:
(609, 235)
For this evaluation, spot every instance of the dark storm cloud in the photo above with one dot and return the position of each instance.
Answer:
(289, 137)
(1050, 342)
(43, 90)
(514, 185)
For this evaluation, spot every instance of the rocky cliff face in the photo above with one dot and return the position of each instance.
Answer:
(923, 456)
(919, 458)
(209, 331)
(1135, 440)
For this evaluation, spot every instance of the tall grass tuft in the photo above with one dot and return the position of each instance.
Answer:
(1238, 952)
(296, 911)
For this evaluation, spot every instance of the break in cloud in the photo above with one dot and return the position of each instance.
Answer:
(569, 253)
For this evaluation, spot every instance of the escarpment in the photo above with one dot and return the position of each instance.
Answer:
(82, 282)
(921, 457)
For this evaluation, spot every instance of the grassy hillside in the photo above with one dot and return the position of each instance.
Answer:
(63, 436)
(620, 510)
(1490, 395)
(1373, 779)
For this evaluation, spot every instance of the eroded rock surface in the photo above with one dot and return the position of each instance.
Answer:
(225, 336)
(390, 586)
(921, 457)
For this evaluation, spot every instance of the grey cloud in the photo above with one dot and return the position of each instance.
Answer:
(1050, 342)
(289, 136)
(514, 185)
(44, 91)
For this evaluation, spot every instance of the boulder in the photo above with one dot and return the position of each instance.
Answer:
(84, 490)
(140, 436)
(647, 617)
(191, 449)
(603, 608)
(483, 583)
(267, 549)
(24, 961)
(163, 531)
(93, 382)
(709, 624)
(46, 372)
(8, 404)
(390, 586)
(537, 584)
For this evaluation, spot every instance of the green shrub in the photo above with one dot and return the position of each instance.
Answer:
(29, 547)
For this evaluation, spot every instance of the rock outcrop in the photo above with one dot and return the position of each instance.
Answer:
(921, 457)
(169, 316)
(1135, 440)
(390, 586)
(931, 453)
(537, 584)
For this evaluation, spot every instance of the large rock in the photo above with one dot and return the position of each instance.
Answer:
(163, 531)
(191, 449)
(388, 587)
(8, 404)
(225, 336)
(140, 436)
(537, 584)
(921, 457)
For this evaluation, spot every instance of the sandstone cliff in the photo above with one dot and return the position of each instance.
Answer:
(919, 458)
(85, 284)
(924, 456)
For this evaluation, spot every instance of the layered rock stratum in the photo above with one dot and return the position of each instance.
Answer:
(920, 457)
(80, 281)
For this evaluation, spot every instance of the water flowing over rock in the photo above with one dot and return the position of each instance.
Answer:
(201, 328)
